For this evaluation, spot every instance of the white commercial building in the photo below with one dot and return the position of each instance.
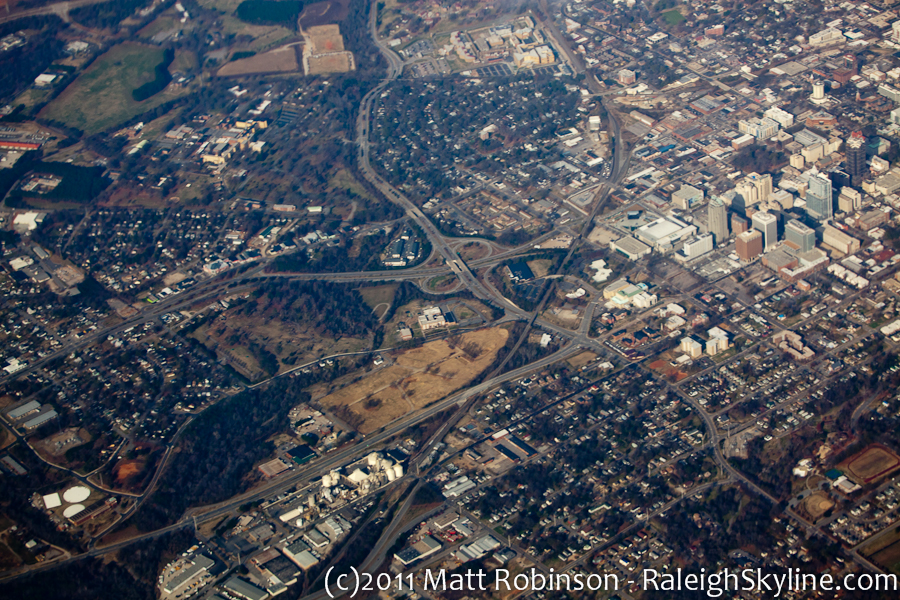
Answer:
(663, 233)
(767, 224)
(696, 247)
(782, 117)
(761, 129)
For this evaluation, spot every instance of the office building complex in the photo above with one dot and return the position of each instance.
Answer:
(799, 237)
(819, 198)
(761, 129)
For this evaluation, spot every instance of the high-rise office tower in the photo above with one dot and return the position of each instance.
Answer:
(749, 244)
(799, 237)
(717, 220)
(856, 155)
(767, 224)
(819, 198)
(763, 185)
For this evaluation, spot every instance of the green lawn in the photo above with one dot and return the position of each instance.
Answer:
(673, 17)
(100, 98)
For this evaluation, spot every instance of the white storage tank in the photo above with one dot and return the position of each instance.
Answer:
(326, 481)
(373, 459)
(398, 471)
(390, 475)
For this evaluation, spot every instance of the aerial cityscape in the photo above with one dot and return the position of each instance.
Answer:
(415, 299)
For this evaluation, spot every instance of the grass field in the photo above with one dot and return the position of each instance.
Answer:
(379, 294)
(885, 551)
(100, 98)
(673, 17)
(344, 179)
(417, 378)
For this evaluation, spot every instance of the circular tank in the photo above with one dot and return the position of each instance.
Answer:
(79, 493)
(326, 481)
(372, 459)
(390, 475)
(398, 470)
(73, 510)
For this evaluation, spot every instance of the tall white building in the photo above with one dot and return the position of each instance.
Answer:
(763, 185)
(767, 224)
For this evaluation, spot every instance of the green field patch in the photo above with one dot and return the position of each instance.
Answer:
(673, 17)
(101, 97)
(270, 12)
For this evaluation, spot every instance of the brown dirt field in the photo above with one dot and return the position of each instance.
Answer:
(817, 505)
(872, 463)
(540, 267)
(330, 63)
(405, 386)
(325, 38)
(583, 358)
(127, 469)
(280, 60)
(322, 13)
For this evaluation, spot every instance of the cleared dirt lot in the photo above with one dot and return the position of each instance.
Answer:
(280, 60)
(417, 378)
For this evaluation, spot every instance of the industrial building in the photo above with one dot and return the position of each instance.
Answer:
(421, 549)
(299, 553)
(24, 410)
(189, 574)
(243, 589)
(40, 419)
